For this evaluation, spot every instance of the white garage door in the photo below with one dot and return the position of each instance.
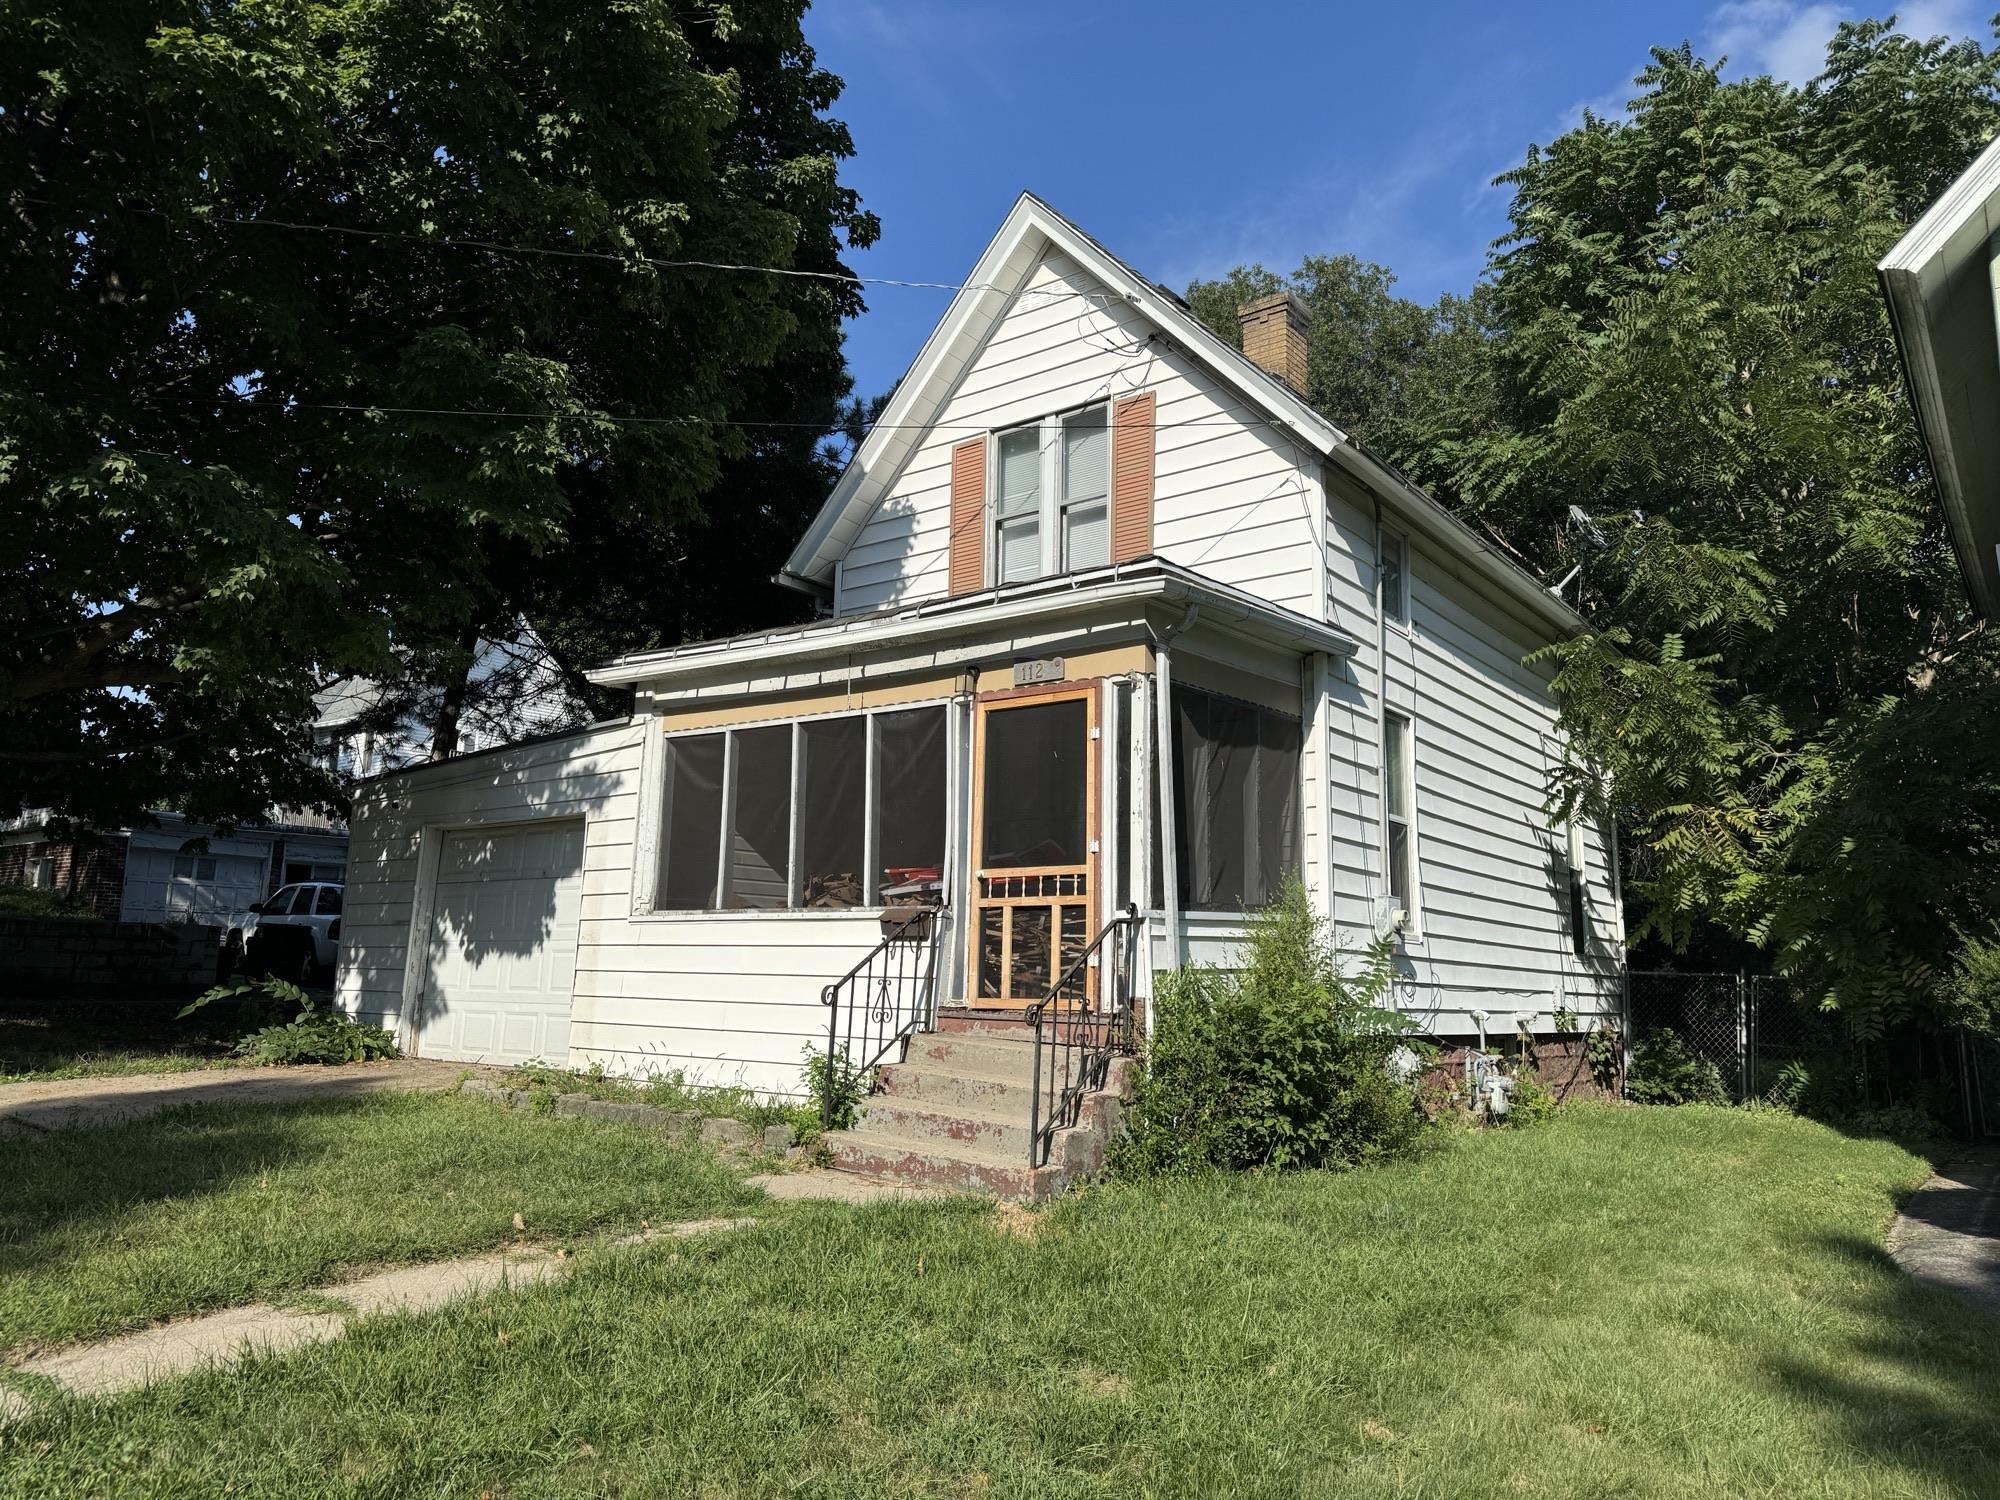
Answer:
(214, 890)
(503, 944)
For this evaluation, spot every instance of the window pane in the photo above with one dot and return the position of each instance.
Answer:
(327, 904)
(831, 811)
(1020, 472)
(1036, 784)
(760, 834)
(1236, 776)
(1086, 455)
(1020, 549)
(1215, 757)
(910, 802)
(691, 840)
(302, 900)
(1395, 585)
(1279, 738)
(1399, 863)
(1396, 750)
(1086, 537)
(184, 866)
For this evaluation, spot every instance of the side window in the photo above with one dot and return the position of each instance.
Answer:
(327, 903)
(1395, 577)
(1399, 809)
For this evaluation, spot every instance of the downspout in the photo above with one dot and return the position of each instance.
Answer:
(1382, 721)
(1163, 739)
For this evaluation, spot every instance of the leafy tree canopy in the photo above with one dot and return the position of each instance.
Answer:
(1679, 375)
(241, 314)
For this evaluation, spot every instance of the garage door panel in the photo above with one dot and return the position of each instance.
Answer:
(504, 945)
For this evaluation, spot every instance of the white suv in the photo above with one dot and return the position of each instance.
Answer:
(314, 906)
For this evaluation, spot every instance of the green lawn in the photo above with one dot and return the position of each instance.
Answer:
(211, 1205)
(65, 1042)
(1620, 1303)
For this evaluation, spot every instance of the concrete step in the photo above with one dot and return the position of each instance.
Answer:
(923, 1124)
(995, 1057)
(940, 1085)
(936, 1164)
(1007, 1024)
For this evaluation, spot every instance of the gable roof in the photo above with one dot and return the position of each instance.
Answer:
(1029, 230)
(1942, 280)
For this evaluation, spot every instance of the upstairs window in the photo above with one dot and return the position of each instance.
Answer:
(1051, 510)
(1017, 510)
(1086, 489)
(1395, 578)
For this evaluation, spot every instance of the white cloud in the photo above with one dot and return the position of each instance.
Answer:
(1925, 19)
(1779, 37)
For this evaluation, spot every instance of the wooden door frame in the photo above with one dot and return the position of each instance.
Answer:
(1090, 693)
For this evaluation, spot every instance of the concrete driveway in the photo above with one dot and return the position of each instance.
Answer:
(52, 1104)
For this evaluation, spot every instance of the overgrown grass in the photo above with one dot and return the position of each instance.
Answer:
(80, 1043)
(207, 1206)
(661, 1090)
(1633, 1303)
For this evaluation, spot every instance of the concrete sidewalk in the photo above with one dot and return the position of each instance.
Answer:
(1948, 1234)
(26, 1108)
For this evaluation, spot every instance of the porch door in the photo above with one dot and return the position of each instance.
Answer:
(1033, 861)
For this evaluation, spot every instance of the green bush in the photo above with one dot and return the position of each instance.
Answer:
(1284, 1063)
(835, 1076)
(311, 1036)
(1665, 1070)
(1533, 1101)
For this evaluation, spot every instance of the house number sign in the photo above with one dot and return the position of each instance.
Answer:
(1044, 669)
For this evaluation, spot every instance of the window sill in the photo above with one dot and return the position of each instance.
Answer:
(769, 914)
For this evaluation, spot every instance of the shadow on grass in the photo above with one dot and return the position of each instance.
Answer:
(1921, 1397)
(66, 1185)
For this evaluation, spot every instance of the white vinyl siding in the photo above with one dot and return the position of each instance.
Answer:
(1232, 498)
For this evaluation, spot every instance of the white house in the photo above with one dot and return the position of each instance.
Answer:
(1112, 616)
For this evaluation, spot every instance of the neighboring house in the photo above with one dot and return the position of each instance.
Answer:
(176, 871)
(1112, 615)
(173, 870)
(1942, 280)
(515, 692)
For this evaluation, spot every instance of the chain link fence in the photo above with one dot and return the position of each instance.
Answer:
(1749, 1026)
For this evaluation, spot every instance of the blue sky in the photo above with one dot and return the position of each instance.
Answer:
(1191, 138)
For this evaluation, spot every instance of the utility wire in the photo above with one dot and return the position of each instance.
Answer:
(830, 429)
(843, 278)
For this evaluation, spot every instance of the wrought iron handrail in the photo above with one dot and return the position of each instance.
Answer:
(889, 996)
(1077, 1032)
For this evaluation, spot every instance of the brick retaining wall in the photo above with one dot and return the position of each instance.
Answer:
(48, 956)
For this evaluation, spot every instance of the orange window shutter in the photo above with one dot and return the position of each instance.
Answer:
(1132, 477)
(967, 551)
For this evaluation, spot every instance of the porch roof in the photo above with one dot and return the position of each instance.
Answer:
(1147, 580)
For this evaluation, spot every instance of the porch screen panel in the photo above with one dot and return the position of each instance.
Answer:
(1236, 777)
(832, 811)
(910, 768)
(691, 841)
(1036, 785)
(760, 829)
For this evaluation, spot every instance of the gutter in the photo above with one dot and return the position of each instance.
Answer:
(1144, 580)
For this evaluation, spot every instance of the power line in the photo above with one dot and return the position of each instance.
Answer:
(844, 278)
(830, 429)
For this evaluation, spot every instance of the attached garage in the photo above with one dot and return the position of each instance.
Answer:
(503, 944)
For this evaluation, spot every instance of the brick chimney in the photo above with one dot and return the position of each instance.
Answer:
(1274, 335)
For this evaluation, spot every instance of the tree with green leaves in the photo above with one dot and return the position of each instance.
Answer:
(334, 332)
(1692, 394)
(1677, 387)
